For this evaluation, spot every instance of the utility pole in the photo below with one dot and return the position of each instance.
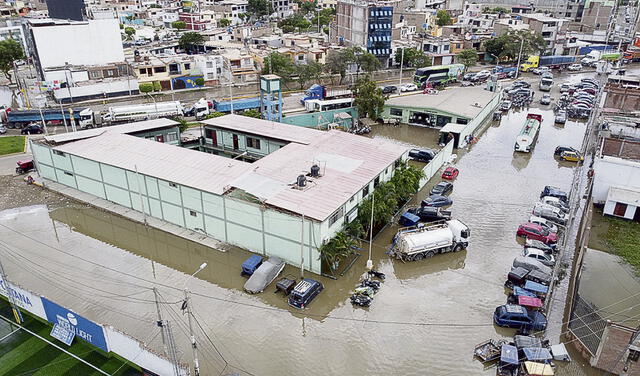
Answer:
(12, 301)
(302, 247)
(401, 64)
(369, 260)
(186, 305)
(519, 56)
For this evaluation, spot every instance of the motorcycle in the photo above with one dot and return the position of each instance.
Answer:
(361, 300)
(377, 274)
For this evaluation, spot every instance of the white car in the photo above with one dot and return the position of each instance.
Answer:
(574, 67)
(408, 87)
(540, 70)
(544, 223)
(539, 255)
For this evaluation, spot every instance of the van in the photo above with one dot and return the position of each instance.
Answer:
(515, 316)
(304, 292)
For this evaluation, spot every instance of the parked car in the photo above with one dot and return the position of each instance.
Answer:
(437, 201)
(565, 88)
(530, 264)
(547, 75)
(571, 156)
(264, 275)
(536, 232)
(548, 248)
(505, 105)
(408, 87)
(561, 117)
(561, 149)
(574, 67)
(468, 76)
(545, 99)
(304, 292)
(422, 155)
(549, 212)
(515, 316)
(540, 70)
(539, 255)
(32, 129)
(3, 129)
(430, 213)
(523, 84)
(555, 202)
(442, 188)
(552, 191)
(544, 223)
(450, 173)
(481, 76)
(389, 89)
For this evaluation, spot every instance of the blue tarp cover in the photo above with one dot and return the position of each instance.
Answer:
(519, 291)
(535, 286)
(409, 219)
(509, 354)
(537, 353)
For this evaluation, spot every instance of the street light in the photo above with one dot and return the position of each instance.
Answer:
(154, 103)
(186, 305)
(369, 261)
(519, 56)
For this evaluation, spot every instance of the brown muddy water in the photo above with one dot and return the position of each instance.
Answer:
(425, 320)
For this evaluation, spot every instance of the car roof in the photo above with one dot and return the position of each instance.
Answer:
(532, 225)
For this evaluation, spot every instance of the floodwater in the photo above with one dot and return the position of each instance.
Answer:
(611, 286)
(426, 318)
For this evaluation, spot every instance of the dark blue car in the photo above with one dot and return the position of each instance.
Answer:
(518, 317)
(437, 201)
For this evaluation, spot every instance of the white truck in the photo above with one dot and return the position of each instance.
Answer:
(143, 111)
(417, 242)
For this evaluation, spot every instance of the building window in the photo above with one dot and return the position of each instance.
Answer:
(58, 152)
(253, 143)
(376, 181)
(209, 64)
(395, 112)
(620, 209)
(397, 163)
(365, 191)
(335, 216)
(173, 185)
(187, 66)
(95, 75)
(172, 137)
(634, 355)
(159, 69)
(193, 213)
(68, 173)
(210, 76)
(143, 70)
(352, 198)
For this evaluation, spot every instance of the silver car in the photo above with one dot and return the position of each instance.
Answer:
(264, 275)
(549, 212)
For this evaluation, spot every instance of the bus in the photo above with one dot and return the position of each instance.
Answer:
(546, 83)
(314, 105)
(529, 134)
(438, 74)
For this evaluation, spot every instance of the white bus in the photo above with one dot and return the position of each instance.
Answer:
(314, 105)
(529, 134)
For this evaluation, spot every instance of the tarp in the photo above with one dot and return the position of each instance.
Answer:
(536, 287)
(527, 341)
(536, 353)
(559, 352)
(538, 369)
(538, 276)
(264, 275)
(528, 301)
(519, 291)
(509, 355)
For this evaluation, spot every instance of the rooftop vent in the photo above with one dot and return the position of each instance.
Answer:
(301, 182)
(315, 171)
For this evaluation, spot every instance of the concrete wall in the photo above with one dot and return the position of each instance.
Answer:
(98, 89)
(613, 171)
(95, 42)
(248, 225)
(321, 119)
(224, 140)
(479, 120)
(436, 163)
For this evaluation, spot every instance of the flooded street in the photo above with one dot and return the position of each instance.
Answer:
(425, 320)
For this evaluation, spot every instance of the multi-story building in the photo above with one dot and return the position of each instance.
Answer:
(438, 49)
(231, 10)
(70, 54)
(193, 21)
(366, 24)
(596, 14)
(12, 29)
(553, 30)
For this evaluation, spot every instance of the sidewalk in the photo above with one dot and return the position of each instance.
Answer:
(131, 214)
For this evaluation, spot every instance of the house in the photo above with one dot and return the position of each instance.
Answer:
(278, 205)
(553, 30)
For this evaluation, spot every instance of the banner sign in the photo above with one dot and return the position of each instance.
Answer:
(83, 328)
(23, 298)
(62, 334)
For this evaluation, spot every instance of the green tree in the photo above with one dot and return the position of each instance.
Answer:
(145, 87)
(259, 8)
(253, 113)
(369, 98)
(183, 124)
(500, 10)
(157, 86)
(279, 64)
(306, 6)
(337, 64)
(341, 246)
(214, 115)
(200, 81)
(306, 72)
(413, 57)
(189, 40)
(180, 25)
(507, 46)
(297, 21)
(467, 57)
(129, 31)
(224, 22)
(325, 15)
(443, 18)
(10, 52)
(362, 59)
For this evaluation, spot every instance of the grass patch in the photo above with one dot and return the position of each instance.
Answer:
(12, 144)
(616, 236)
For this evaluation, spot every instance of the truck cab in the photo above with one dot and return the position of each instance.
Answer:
(530, 63)
(86, 119)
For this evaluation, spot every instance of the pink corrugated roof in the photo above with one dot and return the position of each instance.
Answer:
(265, 128)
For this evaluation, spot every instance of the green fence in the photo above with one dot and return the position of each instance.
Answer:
(321, 120)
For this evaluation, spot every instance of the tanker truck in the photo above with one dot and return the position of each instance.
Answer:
(418, 242)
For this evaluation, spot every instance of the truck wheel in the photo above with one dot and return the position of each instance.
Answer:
(418, 257)
(457, 248)
(430, 254)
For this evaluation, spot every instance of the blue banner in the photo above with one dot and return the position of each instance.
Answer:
(83, 328)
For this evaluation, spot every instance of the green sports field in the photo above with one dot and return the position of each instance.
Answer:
(24, 354)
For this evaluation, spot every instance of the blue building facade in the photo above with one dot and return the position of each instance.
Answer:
(380, 23)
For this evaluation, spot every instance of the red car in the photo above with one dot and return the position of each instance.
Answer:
(536, 232)
(450, 173)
